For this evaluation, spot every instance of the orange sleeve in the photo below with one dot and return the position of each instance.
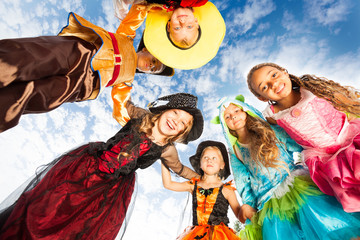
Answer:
(229, 185)
(120, 94)
(135, 18)
(193, 180)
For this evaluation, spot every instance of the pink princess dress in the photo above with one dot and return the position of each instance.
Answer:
(331, 146)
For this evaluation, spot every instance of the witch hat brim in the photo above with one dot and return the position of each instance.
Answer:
(183, 101)
(168, 71)
(195, 159)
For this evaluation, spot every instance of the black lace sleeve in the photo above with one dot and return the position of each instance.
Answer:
(170, 159)
(134, 111)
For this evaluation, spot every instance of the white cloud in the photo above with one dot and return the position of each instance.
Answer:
(38, 139)
(253, 11)
(328, 12)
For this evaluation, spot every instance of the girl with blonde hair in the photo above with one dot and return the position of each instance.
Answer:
(85, 193)
(278, 195)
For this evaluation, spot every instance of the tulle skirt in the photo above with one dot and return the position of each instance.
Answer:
(74, 200)
(303, 213)
(208, 232)
(337, 172)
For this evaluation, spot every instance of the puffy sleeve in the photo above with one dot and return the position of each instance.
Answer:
(120, 95)
(134, 111)
(170, 159)
(229, 185)
(135, 18)
(243, 181)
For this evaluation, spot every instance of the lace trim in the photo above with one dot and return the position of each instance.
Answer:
(284, 187)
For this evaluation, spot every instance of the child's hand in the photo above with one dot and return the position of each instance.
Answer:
(247, 212)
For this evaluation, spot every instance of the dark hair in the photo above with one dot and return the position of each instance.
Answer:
(343, 98)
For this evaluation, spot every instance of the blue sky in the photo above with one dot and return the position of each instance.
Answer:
(320, 37)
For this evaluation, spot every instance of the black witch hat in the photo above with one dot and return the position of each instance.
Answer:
(183, 101)
(195, 159)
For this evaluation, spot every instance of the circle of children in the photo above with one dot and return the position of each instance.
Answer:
(85, 193)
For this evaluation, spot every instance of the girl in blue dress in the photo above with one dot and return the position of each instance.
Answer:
(279, 196)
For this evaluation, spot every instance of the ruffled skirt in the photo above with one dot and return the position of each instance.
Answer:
(303, 213)
(337, 172)
(208, 232)
(74, 200)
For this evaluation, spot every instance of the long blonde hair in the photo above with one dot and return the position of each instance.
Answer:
(262, 142)
(343, 98)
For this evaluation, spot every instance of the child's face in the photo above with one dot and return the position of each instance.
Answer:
(211, 161)
(183, 27)
(173, 122)
(147, 63)
(235, 117)
(271, 83)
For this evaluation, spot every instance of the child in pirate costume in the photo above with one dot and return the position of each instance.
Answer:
(85, 193)
(210, 196)
(186, 34)
(39, 74)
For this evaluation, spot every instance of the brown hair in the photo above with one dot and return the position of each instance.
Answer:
(343, 98)
(262, 141)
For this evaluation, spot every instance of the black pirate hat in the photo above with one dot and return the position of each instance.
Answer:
(195, 159)
(167, 71)
(183, 101)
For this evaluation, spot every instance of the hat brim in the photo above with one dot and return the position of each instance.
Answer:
(195, 159)
(168, 71)
(198, 123)
(212, 33)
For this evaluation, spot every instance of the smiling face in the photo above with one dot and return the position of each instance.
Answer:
(183, 27)
(271, 83)
(235, 117)
(147, 63)
(211, 161)
(174, 122)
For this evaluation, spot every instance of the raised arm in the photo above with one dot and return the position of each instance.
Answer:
(174, 186)
(170, 159)
(230, 195)
(135, 18)
(124, 109)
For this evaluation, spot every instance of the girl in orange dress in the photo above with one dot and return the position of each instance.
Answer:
(210, 196)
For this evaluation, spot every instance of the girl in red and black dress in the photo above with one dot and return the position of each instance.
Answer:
(85, 193)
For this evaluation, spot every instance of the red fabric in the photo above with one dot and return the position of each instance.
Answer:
(171, 5)
(75, 200)
(193, 3)
(117, 60)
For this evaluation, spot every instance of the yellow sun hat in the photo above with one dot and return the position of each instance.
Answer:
(212, 32)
